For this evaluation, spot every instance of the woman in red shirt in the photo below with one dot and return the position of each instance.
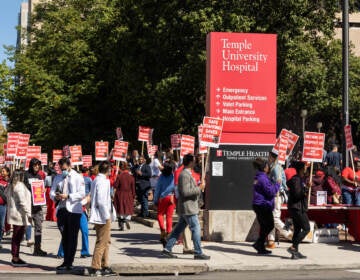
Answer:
(351, 181)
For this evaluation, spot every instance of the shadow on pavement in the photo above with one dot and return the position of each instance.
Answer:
(140, 252)
(137, 238)
(30, 265)
(236, 251)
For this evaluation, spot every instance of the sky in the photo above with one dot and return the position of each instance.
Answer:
(9, 10)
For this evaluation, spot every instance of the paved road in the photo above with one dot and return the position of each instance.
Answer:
(256, 275)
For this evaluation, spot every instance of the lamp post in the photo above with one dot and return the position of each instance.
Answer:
(319, 126)
(303, 115)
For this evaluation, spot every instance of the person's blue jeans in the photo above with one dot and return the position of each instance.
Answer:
(2, 220)
(193, 222)
(352, 198)
(84, 228)
(28, 232)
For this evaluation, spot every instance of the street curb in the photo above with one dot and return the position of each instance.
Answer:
(158, 269)
(293, 267)
(173, 269)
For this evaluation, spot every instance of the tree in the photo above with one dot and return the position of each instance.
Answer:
(95, 65)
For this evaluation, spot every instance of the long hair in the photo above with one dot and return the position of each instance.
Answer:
(17, 176)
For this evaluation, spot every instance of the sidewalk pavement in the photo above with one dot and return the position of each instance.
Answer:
(138, 251)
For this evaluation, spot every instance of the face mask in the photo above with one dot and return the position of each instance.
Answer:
(65, 173)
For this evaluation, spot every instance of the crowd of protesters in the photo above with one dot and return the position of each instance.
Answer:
(99, 195)
(275, 186)
(109, 192)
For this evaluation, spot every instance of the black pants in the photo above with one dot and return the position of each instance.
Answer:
(69, 225)
(142, 196)
(301, 226)
(38, 218)
(265, 217)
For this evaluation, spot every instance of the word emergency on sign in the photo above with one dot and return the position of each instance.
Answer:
(313, 146)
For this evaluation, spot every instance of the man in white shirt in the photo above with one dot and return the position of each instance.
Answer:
(102, 216)
(68, 190)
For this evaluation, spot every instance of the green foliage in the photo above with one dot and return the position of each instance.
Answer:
(95, 65)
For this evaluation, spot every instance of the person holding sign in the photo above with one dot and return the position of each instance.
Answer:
(277, 174)
(263, 203)
(31, 176)
(298, 207)
(19, 213)
(68, 191)
(188, 211)
(351, 180)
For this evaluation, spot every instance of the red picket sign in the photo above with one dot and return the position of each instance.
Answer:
(175, 141)
(87, 161)
(313, 146)
(283, 148)
(44, 159)
(56, 155)
(145, 134)
(211, 132)
(348, 138)
(12, 143)
(292, 140)
(22, 146)
(32, 152)
(152, 149)
(187, 145)
(101, 150)
(202, 149)
(76, 155)
(120, 150)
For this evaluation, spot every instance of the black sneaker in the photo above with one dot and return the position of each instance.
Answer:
(39, 253)
(107, 271)
(168, 255)
(85, 256)
(300, 256)
(18, 263)
(264, 252)
(95, 272)
(293, 253)
(201, 257)
(62, 267)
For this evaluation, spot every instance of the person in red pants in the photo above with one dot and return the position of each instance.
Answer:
(164, 198)
(50, 204)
